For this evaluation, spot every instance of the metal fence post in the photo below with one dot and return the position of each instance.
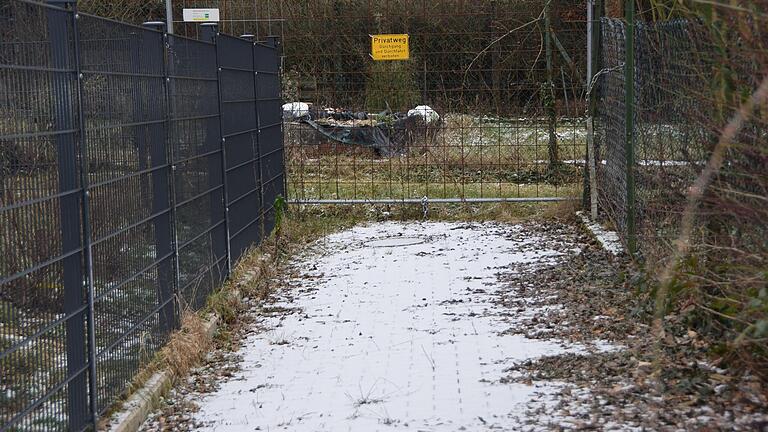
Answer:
(277, 43)
(169, 90)
(72, 239)
(257, 142)
(169, 16)
(209, 32)
(586, 190)
(161, 188)
(84, 181)
(629, 105)
(594, 13)
(549, 96)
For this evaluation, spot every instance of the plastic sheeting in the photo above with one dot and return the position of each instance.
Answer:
(387, 139)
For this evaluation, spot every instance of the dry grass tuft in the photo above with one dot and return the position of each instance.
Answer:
(186, 347)
(564, 211)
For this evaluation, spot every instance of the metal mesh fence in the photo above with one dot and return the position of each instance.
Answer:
(40, 219)
(610, 124)
(198, 161)
(693, 76)
(270, 132)
(507, 128)
(674, 127)
(673, 130)
(128, 206)
(117, 147)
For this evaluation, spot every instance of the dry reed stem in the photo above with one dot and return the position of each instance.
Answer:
(694, 196)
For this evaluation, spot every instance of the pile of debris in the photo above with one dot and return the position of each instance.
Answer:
(387, 133)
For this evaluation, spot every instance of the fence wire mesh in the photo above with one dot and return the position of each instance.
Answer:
(677, 121)
(693, 73)
(673, 131)
(505, 129)
(117, 144)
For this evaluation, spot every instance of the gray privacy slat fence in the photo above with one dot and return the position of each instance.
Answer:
(136, 168)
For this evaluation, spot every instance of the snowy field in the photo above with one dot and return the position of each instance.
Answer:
(394, 325)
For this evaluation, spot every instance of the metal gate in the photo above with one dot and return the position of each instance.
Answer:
(505, 77)
(502, 79)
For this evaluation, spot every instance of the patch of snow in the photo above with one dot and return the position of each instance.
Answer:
(662, 163)
(647, 162)
(406, 336)
(608, 239)
(425, 112)
(653, 162)
(604, 346)
(565, 161)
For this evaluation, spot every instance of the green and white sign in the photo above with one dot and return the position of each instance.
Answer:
(201, 15)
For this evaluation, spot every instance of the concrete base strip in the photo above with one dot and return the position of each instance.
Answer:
(140, 405)
(608, 239)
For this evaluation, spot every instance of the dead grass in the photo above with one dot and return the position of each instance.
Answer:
(187, 347)
(563, 211)
(456, 212)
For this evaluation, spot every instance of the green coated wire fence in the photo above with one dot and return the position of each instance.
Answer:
(682, 170)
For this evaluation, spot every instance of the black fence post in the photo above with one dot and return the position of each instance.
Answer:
(257, 140)
(168, 92)
(162, 204)
(594, 14)
(86, 215)
(277, 43)
(170, 137)
(209, 33)
(271, 169)
(64, 104)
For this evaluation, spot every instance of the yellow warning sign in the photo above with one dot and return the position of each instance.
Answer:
(389, 47)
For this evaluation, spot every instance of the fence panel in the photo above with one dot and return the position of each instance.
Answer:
(117, 144)
(270, 130)
(699, 132)
(610, 125)
(195, 143)
(129, 210)
(239, 129)
(502, 81)
(43, 305)
(673, 130)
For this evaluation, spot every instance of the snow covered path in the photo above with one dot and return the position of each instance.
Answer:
(393, 326)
